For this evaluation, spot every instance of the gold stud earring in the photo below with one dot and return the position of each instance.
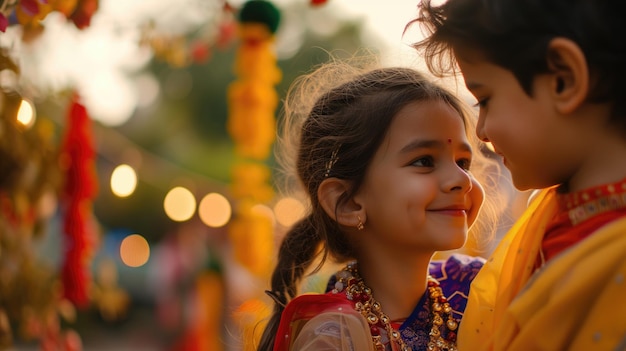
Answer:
(360, 226)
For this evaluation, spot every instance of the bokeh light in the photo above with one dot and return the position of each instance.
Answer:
(288, 211)
(214, 210)
(134, 250)
(47, 204)
(123, 180)
(26, 114)
(179, 204)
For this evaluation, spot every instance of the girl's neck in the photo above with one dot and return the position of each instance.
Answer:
(396, 283)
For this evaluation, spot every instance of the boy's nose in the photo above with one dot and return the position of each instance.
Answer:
(480, 129)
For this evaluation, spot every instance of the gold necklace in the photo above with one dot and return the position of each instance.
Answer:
(364, 302)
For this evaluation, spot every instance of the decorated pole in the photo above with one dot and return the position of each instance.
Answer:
(251, 123)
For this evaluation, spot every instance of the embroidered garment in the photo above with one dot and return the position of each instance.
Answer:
(573, 302)
(580, 214)
(330, 322)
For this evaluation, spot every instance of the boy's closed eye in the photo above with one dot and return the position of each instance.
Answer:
(482, 103)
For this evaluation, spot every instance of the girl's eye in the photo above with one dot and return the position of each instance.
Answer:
(464, 163)
(426, 161)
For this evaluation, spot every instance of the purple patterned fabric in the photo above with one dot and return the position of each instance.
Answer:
(454, 275)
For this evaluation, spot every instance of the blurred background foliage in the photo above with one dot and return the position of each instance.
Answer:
(177, 138)
(189, 131)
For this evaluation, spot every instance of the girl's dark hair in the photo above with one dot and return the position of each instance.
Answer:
(351, 112)
(515, 34)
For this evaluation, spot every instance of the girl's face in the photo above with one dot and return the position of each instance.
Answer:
(418, 193)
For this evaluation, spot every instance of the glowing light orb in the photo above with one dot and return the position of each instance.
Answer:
(288, 211)
(26, 114)
(214, 210)
(179, 204)
(134, 250)
(123, 180)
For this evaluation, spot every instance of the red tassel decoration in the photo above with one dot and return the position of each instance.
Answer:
(77, 160)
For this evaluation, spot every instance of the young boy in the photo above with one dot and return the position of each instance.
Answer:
(549, 77)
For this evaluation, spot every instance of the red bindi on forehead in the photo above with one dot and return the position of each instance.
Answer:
(449, 141)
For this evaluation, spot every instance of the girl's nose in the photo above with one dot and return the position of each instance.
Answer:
(457, 179)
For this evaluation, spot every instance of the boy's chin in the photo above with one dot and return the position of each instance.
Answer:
(523, 182)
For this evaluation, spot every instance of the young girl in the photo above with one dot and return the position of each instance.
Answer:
(549, 79)
(384, 158)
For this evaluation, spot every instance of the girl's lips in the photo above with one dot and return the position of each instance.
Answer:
(451, 212)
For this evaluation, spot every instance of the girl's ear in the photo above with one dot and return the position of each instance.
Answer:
(347, 213)
(570, 74)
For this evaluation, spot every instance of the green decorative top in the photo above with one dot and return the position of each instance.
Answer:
(260, 11)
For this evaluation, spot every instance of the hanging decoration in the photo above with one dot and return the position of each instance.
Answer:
(77, 162)
(180, 50)
(251, 123)
(30, 13)
(252, 97)
(31, 304)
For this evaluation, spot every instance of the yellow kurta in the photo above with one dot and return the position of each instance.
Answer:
(575, 302)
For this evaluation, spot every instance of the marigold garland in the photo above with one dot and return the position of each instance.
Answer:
(252, 97)
(251, 123)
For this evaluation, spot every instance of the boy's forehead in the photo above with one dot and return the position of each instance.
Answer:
(473, 72)
(469, 55)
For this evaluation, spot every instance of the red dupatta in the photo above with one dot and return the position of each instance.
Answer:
(300, 310)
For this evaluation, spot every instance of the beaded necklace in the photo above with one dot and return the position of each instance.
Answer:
(350, 281)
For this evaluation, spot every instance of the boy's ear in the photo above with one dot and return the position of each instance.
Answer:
(570, 74)
(347, 213)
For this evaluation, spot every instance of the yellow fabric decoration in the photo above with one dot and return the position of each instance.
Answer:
(572, 303)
